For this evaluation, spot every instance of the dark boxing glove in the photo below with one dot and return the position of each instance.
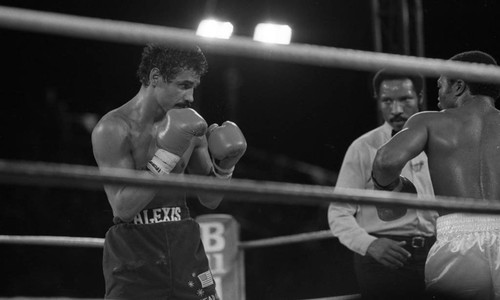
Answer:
(401, 185)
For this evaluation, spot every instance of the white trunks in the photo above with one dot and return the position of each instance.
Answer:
(464, 263)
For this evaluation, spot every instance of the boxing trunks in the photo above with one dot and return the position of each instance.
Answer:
(464, 263)
(159, 255)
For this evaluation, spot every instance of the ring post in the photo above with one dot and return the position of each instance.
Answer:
(220, 234)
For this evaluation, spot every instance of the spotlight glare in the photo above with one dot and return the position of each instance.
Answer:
(215, 29)
(272, 33)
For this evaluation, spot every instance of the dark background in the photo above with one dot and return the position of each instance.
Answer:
(298, 121)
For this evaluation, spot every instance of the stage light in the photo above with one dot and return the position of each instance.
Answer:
(215, 29)
(272, 33)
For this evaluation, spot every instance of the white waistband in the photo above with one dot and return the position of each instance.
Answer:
(466, 223)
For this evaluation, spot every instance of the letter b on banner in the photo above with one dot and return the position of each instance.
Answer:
(220, 235)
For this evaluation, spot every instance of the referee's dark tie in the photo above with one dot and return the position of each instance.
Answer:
(393, 132)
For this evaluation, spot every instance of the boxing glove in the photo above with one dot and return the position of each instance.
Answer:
(401, 185)
(226, 145)
(174, 137)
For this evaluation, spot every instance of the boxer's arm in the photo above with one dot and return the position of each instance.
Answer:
(405, 145)
(112, 149)
(201, 164)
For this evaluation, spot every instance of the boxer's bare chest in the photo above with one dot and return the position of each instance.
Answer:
(142, 143)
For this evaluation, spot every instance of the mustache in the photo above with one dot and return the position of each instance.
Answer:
(398, 119)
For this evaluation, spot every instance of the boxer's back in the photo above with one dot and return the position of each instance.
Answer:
(464, 152)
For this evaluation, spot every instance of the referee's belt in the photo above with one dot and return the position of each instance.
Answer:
(416, 242)
(158, 215)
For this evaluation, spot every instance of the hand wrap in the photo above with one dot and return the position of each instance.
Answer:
(220, 172)
(163, 162)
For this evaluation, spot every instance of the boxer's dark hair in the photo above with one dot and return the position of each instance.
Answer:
(478, 88)
(170, 61)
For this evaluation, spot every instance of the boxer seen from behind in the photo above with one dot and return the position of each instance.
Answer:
(462, 143)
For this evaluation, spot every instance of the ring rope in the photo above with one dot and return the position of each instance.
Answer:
(88, 177)
(69, 298)
(139, 33)
(52, 241)
(99, 242)
(287, 239)
(344, 297)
